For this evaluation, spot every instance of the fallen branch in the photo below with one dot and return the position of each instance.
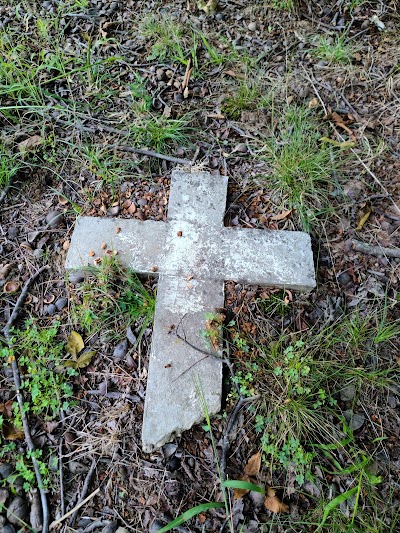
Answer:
(76, 508)
(85, 488)
(20, 399)
(363, 247)
(150, 153)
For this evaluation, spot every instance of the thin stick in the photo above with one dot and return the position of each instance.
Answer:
(150, 153)
(84, 491)
(76, 508)
(366, 248)
(20, 399)
(4, 193)
(231, 422)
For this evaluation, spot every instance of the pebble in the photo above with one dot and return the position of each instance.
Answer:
(252, 26)
(130, 335)
(113, 211)
(38, 253)
(160, 74)
(61, 303)
(178, 98)
(54, 219)
(76, 277)
(355, 420)
(6, 470)
(343, 278)
(49, 309)
(142, 202)
(156, 526)
(122, 530)
(4, 494)
(17, 511)
(121, 350)
(348, 393)
(8, 528)
(12, 232)
(219, 16)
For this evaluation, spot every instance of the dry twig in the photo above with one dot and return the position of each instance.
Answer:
(85, 488)
(366, 248)
(76, 508)
(20, 399)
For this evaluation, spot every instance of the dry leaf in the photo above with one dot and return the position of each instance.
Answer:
(30, 143)
(5, 270)
(281, 216)
(363, 215)
(253, 465)
(273, 503)
(10, 432)
(208, 7)
(337, 119)
(314, 102)
(342, 145)
(82, 361)
(75, 344)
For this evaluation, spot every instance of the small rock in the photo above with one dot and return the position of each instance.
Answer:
(76, 277)
(8, 528)
(178, 98)
(61, 303)
(343, 278)
(3, 496)
(6, 470)
(130, 335)
(122, 530)
(241, 148)
(76, 468)
(169, 449)
(38, 253)
(113, 211)
(110, 528)
(17, 511)
(12, 232)
(257, 499)
(348, 393)
(35, 516)
(160, 74)
(142, 202)
(174, 463)
(156, 526)
(54, 219)
(252, 26)
(355, 420)
(392, 402)
(121, 350)
(49, 309)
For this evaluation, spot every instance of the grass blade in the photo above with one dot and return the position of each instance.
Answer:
(244, 485)
(335, 503)
(190, 513)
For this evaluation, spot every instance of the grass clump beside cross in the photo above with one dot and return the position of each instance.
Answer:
(111, 299)
(301, 167)
(314, 389)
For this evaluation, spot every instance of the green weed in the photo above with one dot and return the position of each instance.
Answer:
(47, 390)
(334, 50)
(247, 96)
(159, 132)
(111, 299)
(167, 37)
(9, 166)
(301, 166)
(284, 5)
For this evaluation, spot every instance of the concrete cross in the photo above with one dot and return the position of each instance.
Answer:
(192, 254)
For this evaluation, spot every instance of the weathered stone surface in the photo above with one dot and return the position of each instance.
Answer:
(193, 254)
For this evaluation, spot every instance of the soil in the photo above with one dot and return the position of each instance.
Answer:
(142, 492)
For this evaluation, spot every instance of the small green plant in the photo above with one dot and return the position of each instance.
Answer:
(284, 5)
(334, 50)
(47, 390)
(301, 166)
(247, 96)
(159, 132)
(111, 299)
(8, 166)
(167, 37)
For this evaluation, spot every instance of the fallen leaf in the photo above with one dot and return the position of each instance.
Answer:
(5, 270)
(208, 7)
(11, 286)
(273, 503)
(281, 216)
(82, 361)
(10, 432)
(363, 215)
(337, 119)
(314, 102)
(30, 143)
(342, 145)
(75, 344)
(253, 465)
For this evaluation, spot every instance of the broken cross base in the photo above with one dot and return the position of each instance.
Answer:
(193, 253)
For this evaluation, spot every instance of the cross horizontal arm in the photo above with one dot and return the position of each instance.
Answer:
(139, 244)
(268, 258)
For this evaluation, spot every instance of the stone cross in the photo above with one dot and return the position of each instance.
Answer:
(192, 254)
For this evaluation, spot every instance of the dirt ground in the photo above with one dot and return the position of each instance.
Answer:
(79, 80)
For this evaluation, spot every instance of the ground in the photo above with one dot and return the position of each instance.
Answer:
(296, 102)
